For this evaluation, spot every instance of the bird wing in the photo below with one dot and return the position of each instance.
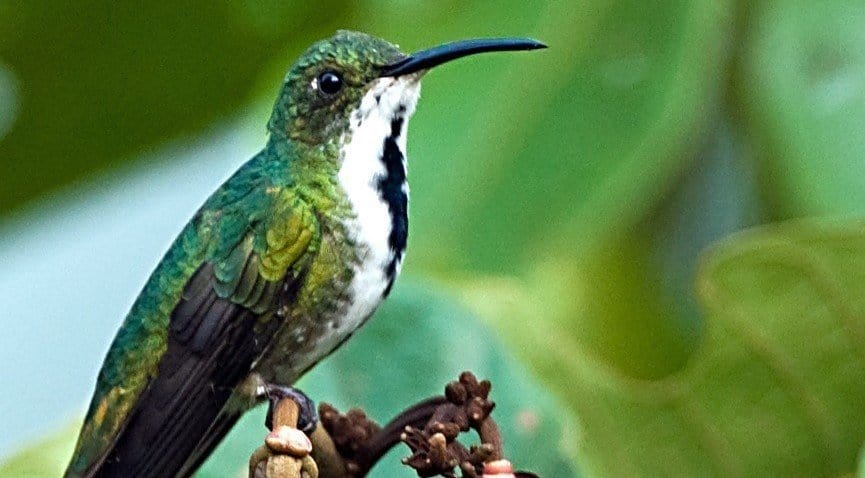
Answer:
(204, 317)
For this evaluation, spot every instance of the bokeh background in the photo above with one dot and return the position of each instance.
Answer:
(564, 208)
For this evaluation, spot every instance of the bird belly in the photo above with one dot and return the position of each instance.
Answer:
(342, 290)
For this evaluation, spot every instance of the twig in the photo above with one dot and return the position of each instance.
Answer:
(347, 446)
(286, 452)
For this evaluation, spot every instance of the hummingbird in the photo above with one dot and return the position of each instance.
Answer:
(278, 268)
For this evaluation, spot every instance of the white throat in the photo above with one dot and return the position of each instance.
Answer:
(372, 174)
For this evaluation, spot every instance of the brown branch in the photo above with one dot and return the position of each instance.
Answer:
(286, 452)
(347, 446)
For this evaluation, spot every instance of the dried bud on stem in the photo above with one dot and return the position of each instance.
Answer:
(349, 445)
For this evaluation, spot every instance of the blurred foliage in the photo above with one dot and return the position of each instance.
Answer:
(99, 81)
(46, 459)
(564, 195)
(774, 389)
(802, 90)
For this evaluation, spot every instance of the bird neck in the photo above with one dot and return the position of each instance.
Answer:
(372, 171)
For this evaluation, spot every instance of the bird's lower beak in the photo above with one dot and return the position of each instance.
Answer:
(426, 59)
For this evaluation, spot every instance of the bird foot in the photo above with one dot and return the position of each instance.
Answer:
(307, 418)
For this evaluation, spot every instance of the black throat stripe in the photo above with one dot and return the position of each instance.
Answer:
(391, 190)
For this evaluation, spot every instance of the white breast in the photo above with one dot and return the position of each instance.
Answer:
(359, 173)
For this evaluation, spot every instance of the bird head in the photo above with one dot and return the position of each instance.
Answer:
(352, 76)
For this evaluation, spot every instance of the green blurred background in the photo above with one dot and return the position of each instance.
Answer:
(561, 204)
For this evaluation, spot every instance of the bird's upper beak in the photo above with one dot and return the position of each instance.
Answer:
(426, 59)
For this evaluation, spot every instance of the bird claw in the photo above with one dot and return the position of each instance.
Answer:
(308, 417)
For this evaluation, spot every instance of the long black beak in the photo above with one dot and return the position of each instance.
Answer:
(426, 59)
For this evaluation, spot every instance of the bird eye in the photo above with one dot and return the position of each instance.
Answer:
(329, 83)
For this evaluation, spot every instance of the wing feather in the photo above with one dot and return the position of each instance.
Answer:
(220, 322)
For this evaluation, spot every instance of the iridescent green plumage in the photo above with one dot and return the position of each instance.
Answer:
(278, 267)
(263, 225)
(254, 231)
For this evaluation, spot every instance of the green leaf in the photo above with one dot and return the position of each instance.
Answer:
(410, 350)
(630, 300)
(861, 472)
(775, 388)
(46, 459)
(803, 89)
